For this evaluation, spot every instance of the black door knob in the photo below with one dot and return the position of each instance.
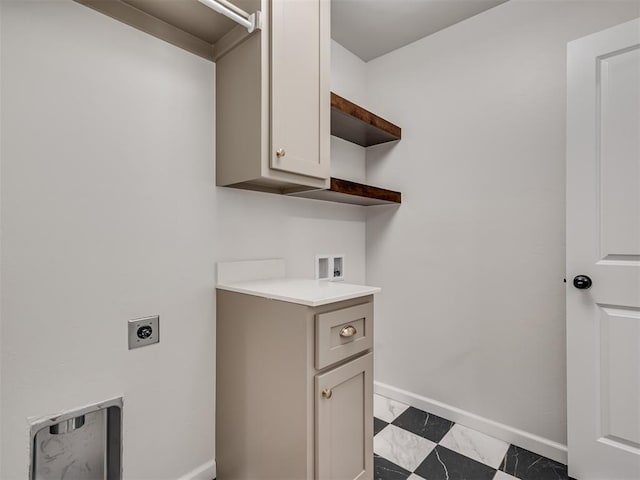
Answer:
(582, 282)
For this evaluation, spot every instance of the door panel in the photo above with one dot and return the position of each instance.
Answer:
(620, 375)
(603, 242)
(300, 98)
(620, 153)
(344, 421)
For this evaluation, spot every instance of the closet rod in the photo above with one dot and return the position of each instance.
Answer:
(233, 12)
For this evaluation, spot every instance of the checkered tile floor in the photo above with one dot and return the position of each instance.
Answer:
(414, 445)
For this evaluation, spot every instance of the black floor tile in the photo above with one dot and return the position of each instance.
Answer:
(527, 465)
(386, 470)
(445, 464)
(424, 424)
(378, 425)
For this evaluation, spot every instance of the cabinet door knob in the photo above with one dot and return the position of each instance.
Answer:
(327, 393)
(280, 153)
(348, 331)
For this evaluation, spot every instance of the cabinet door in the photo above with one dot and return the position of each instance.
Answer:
(344, 421)
(300, 96)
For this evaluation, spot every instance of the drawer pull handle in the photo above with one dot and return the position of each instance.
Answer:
(327, 393)
(280, 153)
(348, 331)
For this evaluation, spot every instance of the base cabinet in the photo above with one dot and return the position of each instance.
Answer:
(278, 415)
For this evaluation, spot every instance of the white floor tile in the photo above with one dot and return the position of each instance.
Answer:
(413, 476)
(386, 409)
(476, 445)
(501, 476)
(402, 447)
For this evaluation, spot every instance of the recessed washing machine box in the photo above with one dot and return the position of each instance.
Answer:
(322, 267)
(84, 444)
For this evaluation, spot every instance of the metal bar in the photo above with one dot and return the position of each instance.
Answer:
(243, 18)
(234, 8)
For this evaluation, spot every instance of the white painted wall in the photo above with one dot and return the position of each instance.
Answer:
(472, 263)
(348, 74)
(109, 212)
(348, 79)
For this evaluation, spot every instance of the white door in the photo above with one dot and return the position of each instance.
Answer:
(603, 243)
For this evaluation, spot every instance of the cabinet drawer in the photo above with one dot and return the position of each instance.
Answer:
(343, 333)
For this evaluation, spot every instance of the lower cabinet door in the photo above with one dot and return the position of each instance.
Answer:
(344, 421)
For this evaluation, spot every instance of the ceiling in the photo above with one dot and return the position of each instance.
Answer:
(370, 28)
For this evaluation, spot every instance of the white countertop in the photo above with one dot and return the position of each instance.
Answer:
(305, 292)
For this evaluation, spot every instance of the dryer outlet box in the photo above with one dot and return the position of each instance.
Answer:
(144, 331)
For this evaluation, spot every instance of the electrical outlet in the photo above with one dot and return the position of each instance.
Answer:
(144, 331)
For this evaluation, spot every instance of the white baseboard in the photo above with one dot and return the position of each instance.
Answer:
(206, 471)
(542, 446)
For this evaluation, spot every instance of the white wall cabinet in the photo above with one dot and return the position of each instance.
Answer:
(273, 102)
(294, 395)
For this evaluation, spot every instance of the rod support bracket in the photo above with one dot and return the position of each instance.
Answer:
(256, 21)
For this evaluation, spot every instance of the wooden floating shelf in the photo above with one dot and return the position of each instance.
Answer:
(355, 124)
(346, 191)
